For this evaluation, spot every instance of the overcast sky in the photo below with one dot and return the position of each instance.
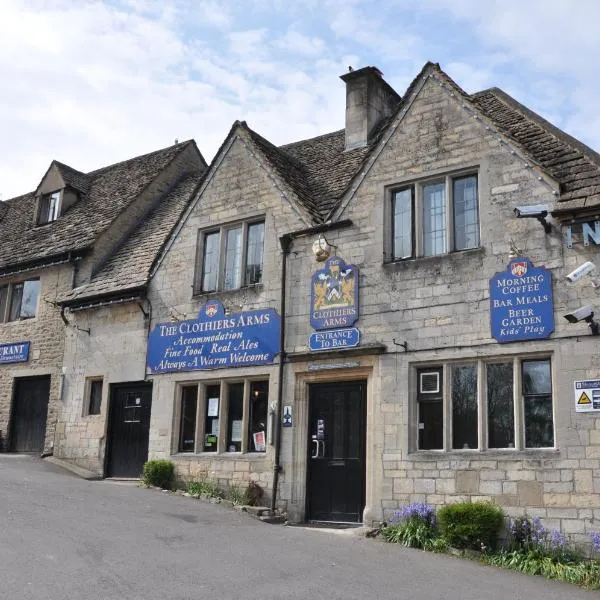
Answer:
(93, 82)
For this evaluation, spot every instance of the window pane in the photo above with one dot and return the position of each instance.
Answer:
(537, 399)
(95, 400)
(434, 219)
(15, 301)
(501, 423)
(187, 431)
(254, 255)
(403, 219)
(210, 261)
(3, 302)
(233, 258)
(234, 417)
(464, 407)
(211, 418)
(257, 424)
(536, 377)
(431, 425)
(430, 408)
(466, 214)
(31, 291)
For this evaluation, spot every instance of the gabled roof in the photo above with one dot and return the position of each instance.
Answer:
(73, 178)
(110, 190)
(566, 160)
(318, 169)
(128, 269)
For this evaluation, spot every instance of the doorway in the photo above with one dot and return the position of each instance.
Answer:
(336, 452)
(128, 429)
(29, 414)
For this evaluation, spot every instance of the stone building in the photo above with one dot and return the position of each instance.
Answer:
(54, 239)
(427, 359)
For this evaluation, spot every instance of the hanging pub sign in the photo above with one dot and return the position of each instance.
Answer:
(14, 353)
(334, 295)
(521, 304)
(215, 340)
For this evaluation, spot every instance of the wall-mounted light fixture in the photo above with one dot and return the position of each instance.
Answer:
(321, 249)
(535, 211)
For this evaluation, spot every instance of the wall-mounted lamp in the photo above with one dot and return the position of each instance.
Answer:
(585, 313)
(321, 249)
(536, 211)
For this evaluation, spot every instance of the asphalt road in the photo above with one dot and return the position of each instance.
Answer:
(65, 538)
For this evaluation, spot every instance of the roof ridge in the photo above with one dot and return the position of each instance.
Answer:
(180, 146)
(312, 139)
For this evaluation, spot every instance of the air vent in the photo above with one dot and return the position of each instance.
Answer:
(429, 382)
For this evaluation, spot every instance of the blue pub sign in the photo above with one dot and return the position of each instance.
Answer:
(215, 340)
(14, 353)
(521, 302)
(334, 295)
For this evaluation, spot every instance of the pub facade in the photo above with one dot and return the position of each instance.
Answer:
(376, 316)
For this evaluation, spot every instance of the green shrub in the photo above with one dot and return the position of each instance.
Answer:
(159, 473)
(253, 494)
(535, 562)
(472, 525)
(235, 494)
(202, 487)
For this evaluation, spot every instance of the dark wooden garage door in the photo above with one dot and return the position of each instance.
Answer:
(29, 413)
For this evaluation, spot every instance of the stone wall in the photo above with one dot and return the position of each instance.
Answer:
(440, 307)
(243, 187)
(114, 349)
(46, 334)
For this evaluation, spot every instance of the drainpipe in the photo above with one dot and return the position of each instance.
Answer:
(286, 244)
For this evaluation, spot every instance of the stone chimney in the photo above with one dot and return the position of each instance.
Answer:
(368, 100)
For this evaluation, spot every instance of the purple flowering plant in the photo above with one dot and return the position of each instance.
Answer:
(595, 538)
(418, 511)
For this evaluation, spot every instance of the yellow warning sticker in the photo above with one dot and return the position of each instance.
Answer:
(584, 399)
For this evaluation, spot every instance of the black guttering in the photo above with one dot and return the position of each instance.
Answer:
(286, 241)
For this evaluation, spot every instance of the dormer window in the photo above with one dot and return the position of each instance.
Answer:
(49, 208)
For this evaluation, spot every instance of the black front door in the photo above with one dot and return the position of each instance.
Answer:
(29, 413)
(336, 457)
(129, 429)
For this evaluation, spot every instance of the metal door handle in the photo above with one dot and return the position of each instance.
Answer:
(315, 453)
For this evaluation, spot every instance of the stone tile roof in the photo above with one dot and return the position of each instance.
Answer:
(73, 178)
(130, 265)
(109, 191)
(318, 169)
(566, 160)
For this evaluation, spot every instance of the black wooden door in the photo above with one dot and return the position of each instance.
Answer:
(129, 429)
(29, 413)
(336, 458)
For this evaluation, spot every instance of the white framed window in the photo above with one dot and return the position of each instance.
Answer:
(223, 416)
(19, 300)
(485, 404)
(230, 257)
(434, 217)
(49, 208)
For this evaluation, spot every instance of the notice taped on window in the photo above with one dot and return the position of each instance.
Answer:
(587, 395)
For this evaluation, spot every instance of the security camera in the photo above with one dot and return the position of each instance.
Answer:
(587, 268)
(536, 211)
(585, 313)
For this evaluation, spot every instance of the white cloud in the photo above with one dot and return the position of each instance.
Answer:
(93, 82)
